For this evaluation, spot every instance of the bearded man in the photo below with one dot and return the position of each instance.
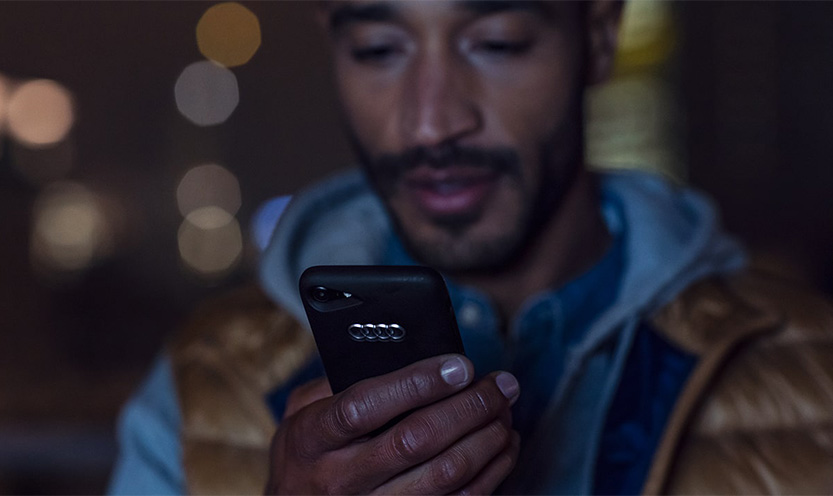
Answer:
(616, 341)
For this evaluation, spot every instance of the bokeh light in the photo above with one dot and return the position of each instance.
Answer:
(229, 34)
(210, 241)
(40, 113)
(209, 218)
(646, 35)
(631, 123)
(206, 93)
(206, 186)
(71, 230)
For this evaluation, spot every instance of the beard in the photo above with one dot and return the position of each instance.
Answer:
(457, 244)
(455, 250)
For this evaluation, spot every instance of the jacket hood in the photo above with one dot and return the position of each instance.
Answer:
(672, 237)
(339, 221)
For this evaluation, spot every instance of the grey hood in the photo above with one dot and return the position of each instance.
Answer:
(339, 221)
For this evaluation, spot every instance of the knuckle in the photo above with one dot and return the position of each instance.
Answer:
(348, 412)
(414, 387)
(408, 441)
(336, 485)
(469, 490)
(480, 404)
(499, 433)
(450, 470)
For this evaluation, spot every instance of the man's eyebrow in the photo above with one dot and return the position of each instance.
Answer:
(350, 13)
(486, 7)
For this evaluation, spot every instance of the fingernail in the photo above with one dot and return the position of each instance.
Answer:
(508, 385)
(454, 371)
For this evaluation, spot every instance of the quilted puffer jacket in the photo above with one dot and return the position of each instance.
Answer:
(755, 416)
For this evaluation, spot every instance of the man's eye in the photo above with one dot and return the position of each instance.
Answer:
(502, 47)
(375, 53)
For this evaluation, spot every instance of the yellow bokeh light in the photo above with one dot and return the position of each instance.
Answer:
(229, 34)
(208, 185)
(630, 123)
(210, 241)
(646, 35)
(40, 113)
(70, 228)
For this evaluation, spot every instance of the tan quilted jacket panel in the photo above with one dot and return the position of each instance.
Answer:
(233, 352)
(755, 417)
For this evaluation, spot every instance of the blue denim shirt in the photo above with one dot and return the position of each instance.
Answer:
(534, 345)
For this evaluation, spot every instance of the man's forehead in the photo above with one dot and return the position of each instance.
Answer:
(345, 12)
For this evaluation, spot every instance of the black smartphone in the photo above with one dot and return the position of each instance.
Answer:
(370, 320)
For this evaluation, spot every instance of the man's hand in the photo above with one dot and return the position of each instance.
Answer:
(457, 438)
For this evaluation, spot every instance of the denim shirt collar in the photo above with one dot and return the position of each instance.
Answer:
(548, 323)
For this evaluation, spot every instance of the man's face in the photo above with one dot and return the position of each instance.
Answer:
(467, 116)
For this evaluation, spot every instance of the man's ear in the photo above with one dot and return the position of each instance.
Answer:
(603, 19)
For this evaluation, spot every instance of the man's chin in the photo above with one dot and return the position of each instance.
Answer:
(455, 225)
(456, 252)
(453, 242)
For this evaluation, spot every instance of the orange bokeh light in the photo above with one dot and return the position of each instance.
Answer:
(40, 113)
(229, 34)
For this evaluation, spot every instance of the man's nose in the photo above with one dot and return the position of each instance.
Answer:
(439, 105)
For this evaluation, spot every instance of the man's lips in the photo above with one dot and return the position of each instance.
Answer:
(450, 191)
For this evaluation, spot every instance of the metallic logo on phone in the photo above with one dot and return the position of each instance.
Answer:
(376, 332)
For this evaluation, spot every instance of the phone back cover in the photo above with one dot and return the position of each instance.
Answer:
(413, 298)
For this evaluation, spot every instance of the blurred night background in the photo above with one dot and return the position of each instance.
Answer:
(139, 139)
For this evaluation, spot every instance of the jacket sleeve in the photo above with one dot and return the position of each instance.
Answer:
(150, 454)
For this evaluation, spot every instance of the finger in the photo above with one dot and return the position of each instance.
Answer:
(431, 430)
(498, 469)
(457, 466)
(371, 403)
(306, 394)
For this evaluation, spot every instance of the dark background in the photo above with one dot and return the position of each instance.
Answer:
(753, 81)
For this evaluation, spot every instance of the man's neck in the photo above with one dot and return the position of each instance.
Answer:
(571, 241)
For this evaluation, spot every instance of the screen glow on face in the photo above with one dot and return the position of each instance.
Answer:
(466, 114)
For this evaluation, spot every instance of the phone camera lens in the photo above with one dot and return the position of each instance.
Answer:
(321, 294)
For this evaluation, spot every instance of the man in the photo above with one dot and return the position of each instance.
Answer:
(615, 344)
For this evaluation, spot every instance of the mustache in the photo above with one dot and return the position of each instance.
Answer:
(390, 167)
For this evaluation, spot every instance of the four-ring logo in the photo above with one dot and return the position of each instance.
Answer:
(376, 332)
